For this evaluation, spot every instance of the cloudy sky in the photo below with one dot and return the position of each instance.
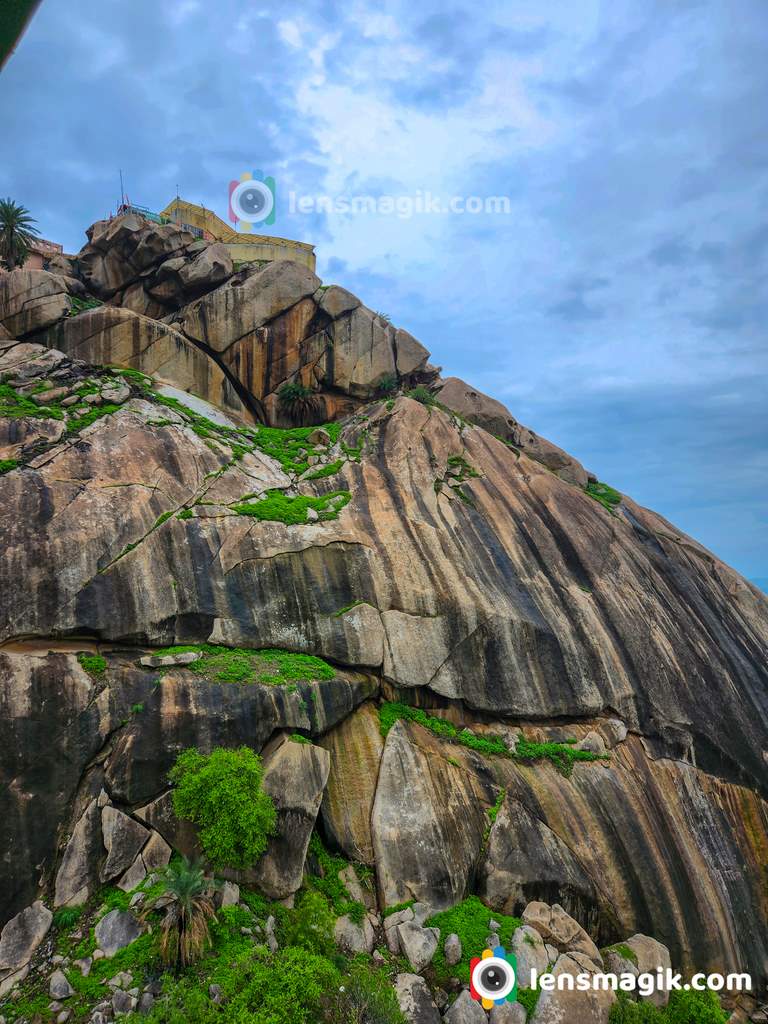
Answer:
(619, 307)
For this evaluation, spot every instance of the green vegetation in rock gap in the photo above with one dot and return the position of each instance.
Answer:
(562, 755)
(6, 465)
(397, 907)
(221, 793)
(14, 405)
(607, 496)
(271, 667)
(327, 881)
(470, 920)
(348, 608)
(281, 508)
(291, 448)
(78, 305)
(328, 470)
(493, 813)
(94, 664)
(683, 1008)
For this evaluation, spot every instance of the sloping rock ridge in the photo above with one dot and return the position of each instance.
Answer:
(159, 487)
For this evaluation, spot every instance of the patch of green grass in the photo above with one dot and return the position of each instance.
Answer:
(94, 664)
(562, 755)
(683, 1008)
(15, 406)
(397, 907)
(493, 813)
(470, 921)
(607, 496)
(136, 709)
(329, 470)
(6, 465)
(348, 608)
(296, 737)
(271, 667)
(280, 508)
(623, 951)
(97, 412)
(465, 470)
(67, 917)
(528, 999)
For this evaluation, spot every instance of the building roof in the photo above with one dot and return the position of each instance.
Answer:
(201, 217)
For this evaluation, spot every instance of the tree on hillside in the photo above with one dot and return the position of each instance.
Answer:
(17, 233)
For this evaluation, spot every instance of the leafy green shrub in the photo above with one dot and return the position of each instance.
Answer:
(67, 917)
(310, 924)
(6, 465)
(365, 997)
(78, 305)
(289, 987)
(422, 394)
(683, 1008)
(470, 921)
(221, 793)
(329, 884)
(387, 384)
(293, 392)
(94, 664)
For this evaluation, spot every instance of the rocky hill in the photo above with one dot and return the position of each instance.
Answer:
(519, 686)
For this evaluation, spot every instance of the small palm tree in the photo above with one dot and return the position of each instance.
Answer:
(17, 233)
(186, 898)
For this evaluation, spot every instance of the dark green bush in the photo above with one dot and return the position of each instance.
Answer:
(221, 793)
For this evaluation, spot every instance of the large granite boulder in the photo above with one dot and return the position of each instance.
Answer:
(415, 1001)
(560, 1005)
(31, 300)
(78, 871)
(295, 775)
(18, 941)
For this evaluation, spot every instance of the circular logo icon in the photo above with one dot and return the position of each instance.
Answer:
(252, 200)
(493, 978)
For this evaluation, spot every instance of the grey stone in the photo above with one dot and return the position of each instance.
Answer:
(418, 944)
(354, 938)
(465, 1010)
(593, 742)
(123, 1003)
(414, 1000)
(390, 928)
(229, 895)
(452, 949)
(116, 395)
(559, 1006)
(214, 993)
(59, 987)
(123, 838)
(528, 946)
(560, 929)
(146, 1002)
(168, 660)
(319, 436)
(115, 931)
(507, 1013)
(650, 955)
(84, 965)
(269, 934)
(18, 941)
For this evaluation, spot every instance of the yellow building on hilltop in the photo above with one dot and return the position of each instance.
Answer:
(243, 248)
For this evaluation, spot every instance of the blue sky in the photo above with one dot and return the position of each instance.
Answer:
(619, 308)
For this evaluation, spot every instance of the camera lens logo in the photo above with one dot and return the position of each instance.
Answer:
(493, 977)
(252, 200)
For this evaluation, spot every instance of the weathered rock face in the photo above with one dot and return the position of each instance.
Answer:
(494, 417)
(118, 337)
(462, 576)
